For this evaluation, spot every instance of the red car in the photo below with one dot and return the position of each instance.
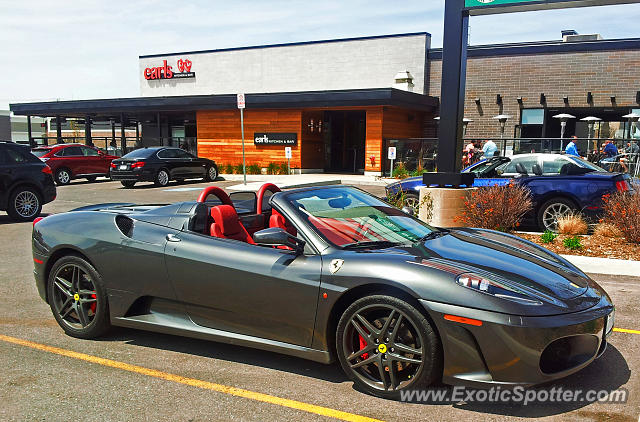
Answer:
(72, 161)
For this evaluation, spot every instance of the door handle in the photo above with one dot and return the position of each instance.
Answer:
(172, 238)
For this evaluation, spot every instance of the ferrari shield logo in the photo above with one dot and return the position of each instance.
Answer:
(335, 265)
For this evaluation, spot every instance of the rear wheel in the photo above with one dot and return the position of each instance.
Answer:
(63, 176)
(128, 183)
(77, 298)
(552, 210)
(25, 204)
(385, 345)
(412, 201)
(162, 178)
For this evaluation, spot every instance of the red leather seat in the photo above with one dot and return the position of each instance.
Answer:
(227, 225)
(277, 220)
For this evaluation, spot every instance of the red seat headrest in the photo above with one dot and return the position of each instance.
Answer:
(226, 224)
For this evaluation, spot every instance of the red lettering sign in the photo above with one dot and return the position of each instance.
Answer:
(166, 72)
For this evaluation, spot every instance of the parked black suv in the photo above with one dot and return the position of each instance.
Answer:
(26, 183)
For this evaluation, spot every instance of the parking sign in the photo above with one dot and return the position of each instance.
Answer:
(391, 153)
(241, 101)
(287, 152)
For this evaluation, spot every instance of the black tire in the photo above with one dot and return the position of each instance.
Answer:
(551, 210)
(162, 178)
(92, 178)
(128, 183)
(63, 176)
(211, 174)
(25, 204)
(401, 370)
(72, 298)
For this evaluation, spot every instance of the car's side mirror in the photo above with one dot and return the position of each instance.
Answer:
(275, 236)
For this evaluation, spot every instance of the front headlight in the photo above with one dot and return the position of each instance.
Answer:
(495, 288)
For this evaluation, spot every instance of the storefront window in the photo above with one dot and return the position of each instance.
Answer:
(532, 116)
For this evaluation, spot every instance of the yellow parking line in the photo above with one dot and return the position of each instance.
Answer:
(239, 392)
(624, 330)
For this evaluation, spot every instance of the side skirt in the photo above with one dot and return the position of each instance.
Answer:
(183, 326)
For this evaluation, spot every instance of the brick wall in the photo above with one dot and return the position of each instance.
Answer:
(604, 73)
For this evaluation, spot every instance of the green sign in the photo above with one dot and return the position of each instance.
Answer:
(480, 3)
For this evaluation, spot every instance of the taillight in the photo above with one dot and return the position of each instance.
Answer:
(113, 165)
(622, 185)
(47, 170)
(137, 165)
(36, 220)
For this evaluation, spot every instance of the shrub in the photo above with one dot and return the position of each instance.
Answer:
(418, 172)
(548, 236)
(228, 168)
(496, 207)
(238, 169)
(254, 169)
(572, 224)
(607, 230)
(572, 243)
(400, 172)
(283, 168)
(273, 168)
(622, 209)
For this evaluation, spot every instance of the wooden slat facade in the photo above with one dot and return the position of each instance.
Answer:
(219, 136)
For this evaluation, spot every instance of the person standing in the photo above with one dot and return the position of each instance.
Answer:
(571, 148)
(489, 149)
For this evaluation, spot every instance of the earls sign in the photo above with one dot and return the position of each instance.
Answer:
(275, 138)
(166, 72)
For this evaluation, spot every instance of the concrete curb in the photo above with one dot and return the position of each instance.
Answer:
(605, 266)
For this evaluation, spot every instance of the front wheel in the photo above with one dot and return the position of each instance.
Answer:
(25, 204)
(412, 201)
(212, 174)
(162, 178)
(77, 298)
(385, 345)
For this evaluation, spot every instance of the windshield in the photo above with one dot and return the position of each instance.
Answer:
(140, 153)
(345, 216)
(586, 164)
(40, 152)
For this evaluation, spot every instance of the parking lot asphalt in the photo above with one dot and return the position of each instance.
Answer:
(135, 375)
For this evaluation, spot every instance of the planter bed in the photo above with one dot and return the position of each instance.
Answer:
(596, 246)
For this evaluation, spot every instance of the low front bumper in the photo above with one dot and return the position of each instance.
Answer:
(511, 350)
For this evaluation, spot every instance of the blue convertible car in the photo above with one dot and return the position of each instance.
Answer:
(559, 184)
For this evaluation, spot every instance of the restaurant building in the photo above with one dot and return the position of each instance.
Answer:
(339, 103)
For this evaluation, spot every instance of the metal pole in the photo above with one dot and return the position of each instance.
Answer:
(391, 171)
(454, 65)
(563, 125)
(244, 163)
(289, 166)
(58, 130)
(88, 139)
(31, 143)
(123, 139)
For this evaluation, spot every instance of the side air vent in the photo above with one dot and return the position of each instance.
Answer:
(125, 225)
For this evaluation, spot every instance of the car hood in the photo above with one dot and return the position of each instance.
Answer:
(488, 252)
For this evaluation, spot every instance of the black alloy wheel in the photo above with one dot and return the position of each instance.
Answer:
(212, 174)
(162, 178)
(128, 183)
(25, 204)
(77, 298)
(63, 176)
(385, 345)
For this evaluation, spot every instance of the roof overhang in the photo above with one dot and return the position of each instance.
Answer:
(279, 100)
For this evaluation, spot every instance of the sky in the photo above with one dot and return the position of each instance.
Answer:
(66, 50)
